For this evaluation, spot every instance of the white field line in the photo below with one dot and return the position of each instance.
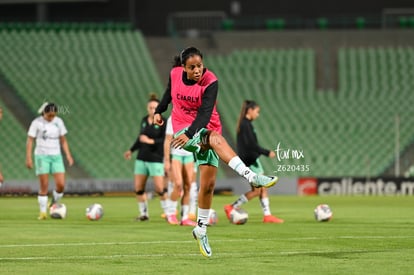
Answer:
(190, 241)
(175, 255)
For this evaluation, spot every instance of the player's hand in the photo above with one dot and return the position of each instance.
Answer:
(70, 160)
(29, 163)
(158, 120)
(179, 141)
(127, 155)
(272, 154)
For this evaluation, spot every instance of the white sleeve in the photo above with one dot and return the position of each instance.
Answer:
(32, 129)
(62, 129)
(169, 129)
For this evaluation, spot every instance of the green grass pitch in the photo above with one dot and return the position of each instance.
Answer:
(368, 235)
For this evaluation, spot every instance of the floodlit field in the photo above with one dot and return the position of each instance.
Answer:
(368, 235)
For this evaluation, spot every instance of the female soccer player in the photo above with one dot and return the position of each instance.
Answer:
(179, 165)
(149, 161)
(192, 90)
(49, 132)
(249, 151)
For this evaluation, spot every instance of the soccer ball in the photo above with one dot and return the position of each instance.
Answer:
(238, 216)
(94, 212)
(213, 218)
(57, 211)
(323, 213)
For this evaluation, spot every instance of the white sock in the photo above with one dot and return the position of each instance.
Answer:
(170, 188)
(193, 197)
(171, 207)
(265, 206)
(202, 220)
(42, 200)
(143, 208)
(240, 201)
(164, 206)
(57, 196)
(238, 165)
(184, 211)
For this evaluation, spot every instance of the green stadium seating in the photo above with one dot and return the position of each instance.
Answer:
(13, 147)
(349, 132)
(99, 75)
(102, 75)
(101, 79)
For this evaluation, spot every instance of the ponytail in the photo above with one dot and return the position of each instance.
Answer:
(153, 97)
(247, 104)
(176, 61)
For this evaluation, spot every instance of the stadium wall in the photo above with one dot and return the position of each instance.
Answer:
(379, 186)
(91, 187)
(325, 43)
(151, 17)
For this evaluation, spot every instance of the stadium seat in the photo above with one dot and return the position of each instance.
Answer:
(360, 22)
(227, 24)
(322, 23)
(275, 24)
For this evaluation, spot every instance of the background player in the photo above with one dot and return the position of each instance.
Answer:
(249, 151)
(149, 160)
(49, 132)
(181, 163)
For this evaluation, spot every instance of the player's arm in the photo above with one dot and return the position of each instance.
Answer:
(29, 148)
(135, 146)
(31, 135)
(66, 150)
(163, 105)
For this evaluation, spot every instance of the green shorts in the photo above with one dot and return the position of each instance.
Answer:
(148, 168)
(257, 167)
(183, 159)
(209, 156)
(46, 164)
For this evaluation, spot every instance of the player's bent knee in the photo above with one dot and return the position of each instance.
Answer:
(214, 139)
(162, 192)
(140, 192)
